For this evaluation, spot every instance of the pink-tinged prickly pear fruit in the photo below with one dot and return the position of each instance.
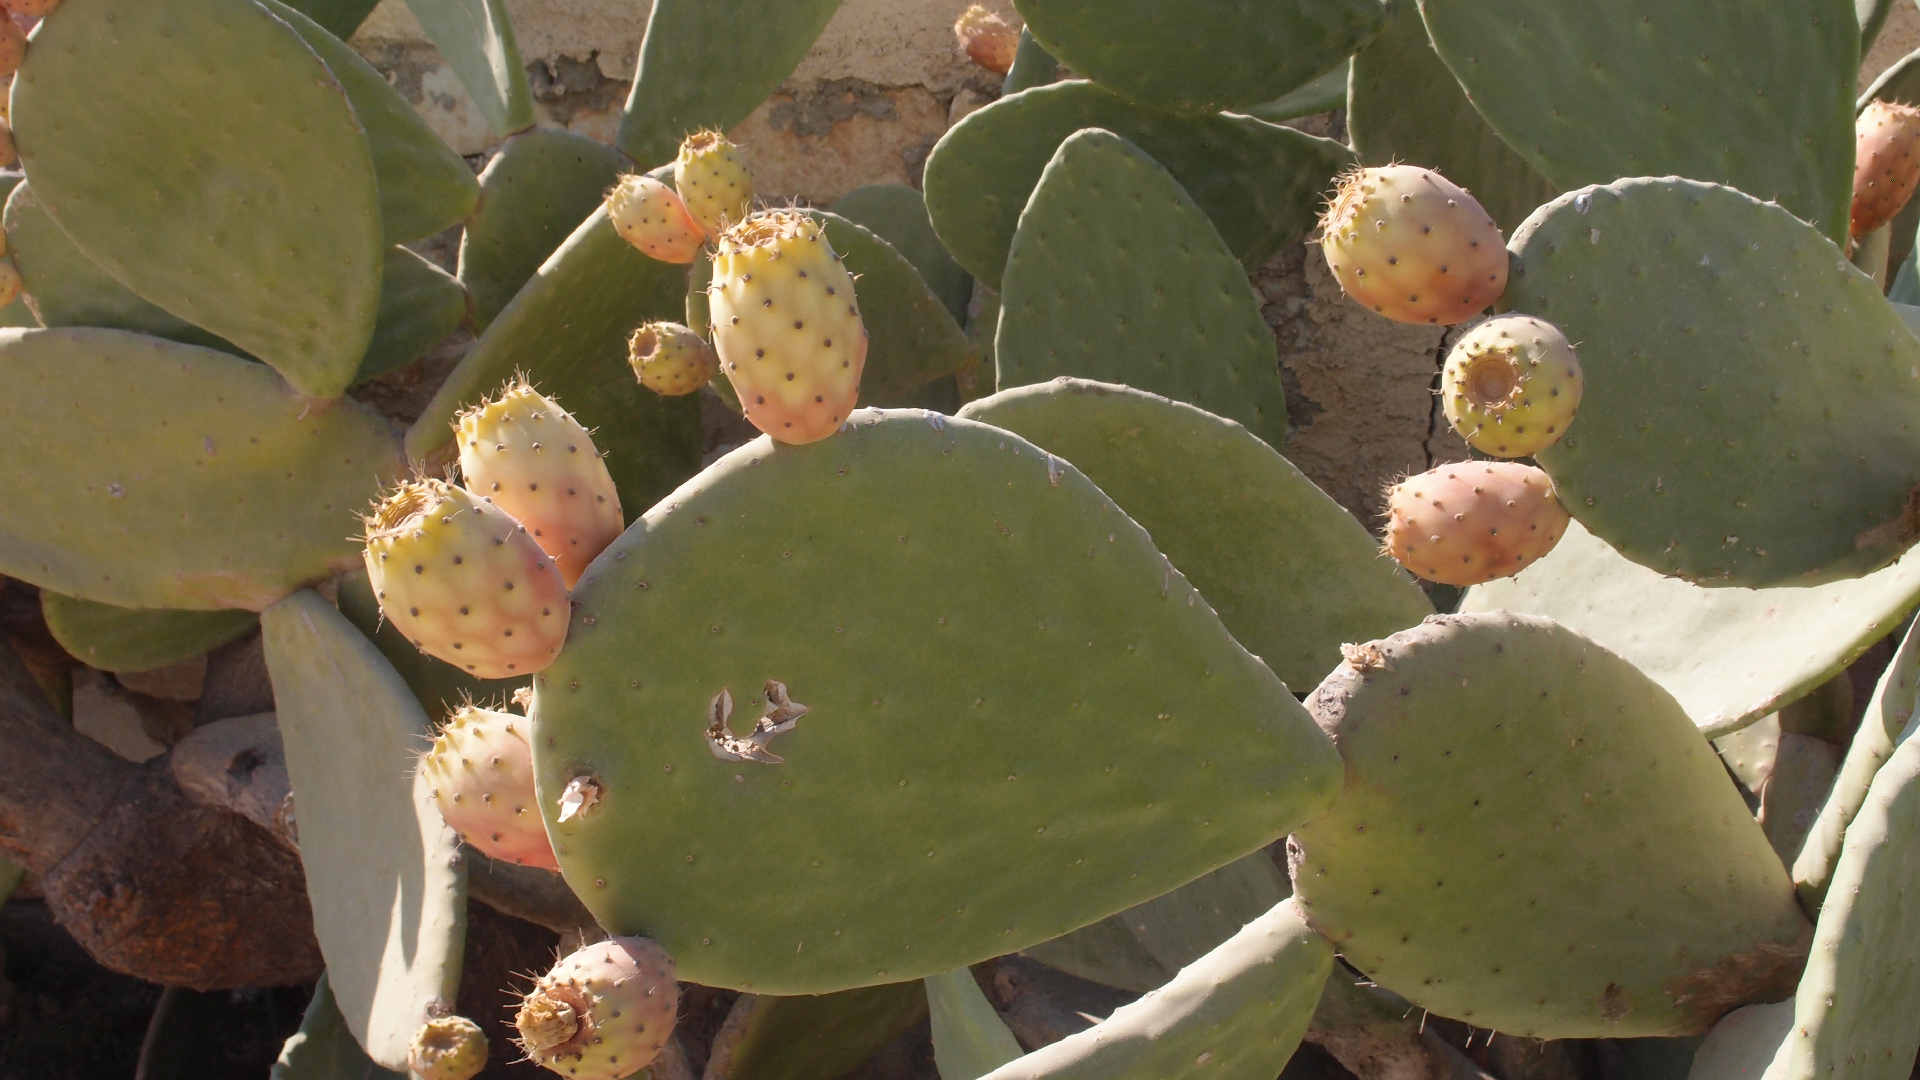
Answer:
(465, 582)
(1886, 163)
(9, 282)
(448, 1048)
(989, 40)
(13, 47)
(8, 155)
(603, 1012)
(37, 9)
(671, 359)
(531, 458)
(480, 769)
(652, 217)
(1511, 386)
(787, 326)
(1472, 522)
(712, 178)
(1413, 245)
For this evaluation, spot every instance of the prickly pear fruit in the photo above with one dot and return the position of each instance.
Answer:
(1886, 163)
(652, 217)
(1511, 386)
(13, 47)
(989, 40)
(480, 769)
(712, 178)
(787, 326)
(448, 1048)
(38, 9)
(530, 457)
(1474, 521)
(671, 359)
(602, 1012)
(8, 155)
(9, 282)
(1413, 245)
(465, 582)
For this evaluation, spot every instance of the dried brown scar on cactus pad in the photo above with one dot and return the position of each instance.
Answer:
(781, 716)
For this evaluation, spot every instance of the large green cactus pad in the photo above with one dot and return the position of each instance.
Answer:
(1710, 90)
(1105, 952)
(1204, 56)
(1260, 183)
(420, 304)
(1535, 838)
(476, 37)
(385, 875)
(1292, 574)
(812, 1038)
(898, 214)
(146, 473)
(1192, 920)
(137, 639)
(323, 1048)
(1730, 656)
(337, 17)
(1748, 417)
(969, 1038)
(263, 228)
(1069, 735)
(1115, 275)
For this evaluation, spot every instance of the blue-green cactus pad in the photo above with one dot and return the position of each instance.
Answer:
(1292, 574)
(1323, 94)
(813, 1038)
(980, 768)
(440, 687)
(1115, 275)
(1710, 90)
(114, 638)
(323, 1048)
(337, 17)
(1535, 838)
(420, 304)
(898, 214)
(476, 37)
(1742, 1044)
(709, 65)
(1749, 416)
(1260, 183)
(146, 473)
(1105, 952)
(1730, 656)
(969, 1038)
(1202, 56)
(263, 228)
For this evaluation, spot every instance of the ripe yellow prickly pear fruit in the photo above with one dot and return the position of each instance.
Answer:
(1412, 245)
(989, 40)
(603, 1011)
(531, 458)
(652, 217)
(787, 326)
(1472, 522)
(480, 769)
(1511, 386)
(464, 582)
(448, 1048)
(671, 359)
(712, 178)
(1886, 163)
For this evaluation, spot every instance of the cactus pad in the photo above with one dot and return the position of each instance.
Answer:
(1072, 734)
(137, 639)
(476, 37)
(420, 304)
(812, 1038)
(897, 214)
(969, 1038)
(323, 1048)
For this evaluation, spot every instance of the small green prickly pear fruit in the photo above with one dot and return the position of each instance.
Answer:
(1412, 245)
(524, 453)
(13, 47)
(713, 180)
(652, 217)
(1886, 163)
(448, 1048)
(1511, 386)
(1474, 521)
(989, 40)
(464, 582)
(787, 326)
(480, 769)
(602, 1012)
(671, 359)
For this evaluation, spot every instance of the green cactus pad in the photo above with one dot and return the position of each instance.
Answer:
(1742, 1044)
(1872, 16)
(1535, 838)
(1591, 92)
(539, 188)
(1292, 574)
(420, 304)
(1239, 1012)
(1326, 93)
(1194, 919)
(438, 686)
(812, 1038)
(337, 17)
(1750, 421)
(1406, 108)
(1072, 734)
(237, 490)
(388, 885)
(424, 186)
(1260, 183)
(567, 330)
(898, 214)
(969, 1038)
(708, 65)
(137, 639)
(1730, 656)
(268, 231)
(1201, 57)
(1105, 952)
(1116, 275)
(323, 1048)
(1032, 66)
(477, 39)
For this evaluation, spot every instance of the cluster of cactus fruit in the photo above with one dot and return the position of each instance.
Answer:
(1018, 594)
